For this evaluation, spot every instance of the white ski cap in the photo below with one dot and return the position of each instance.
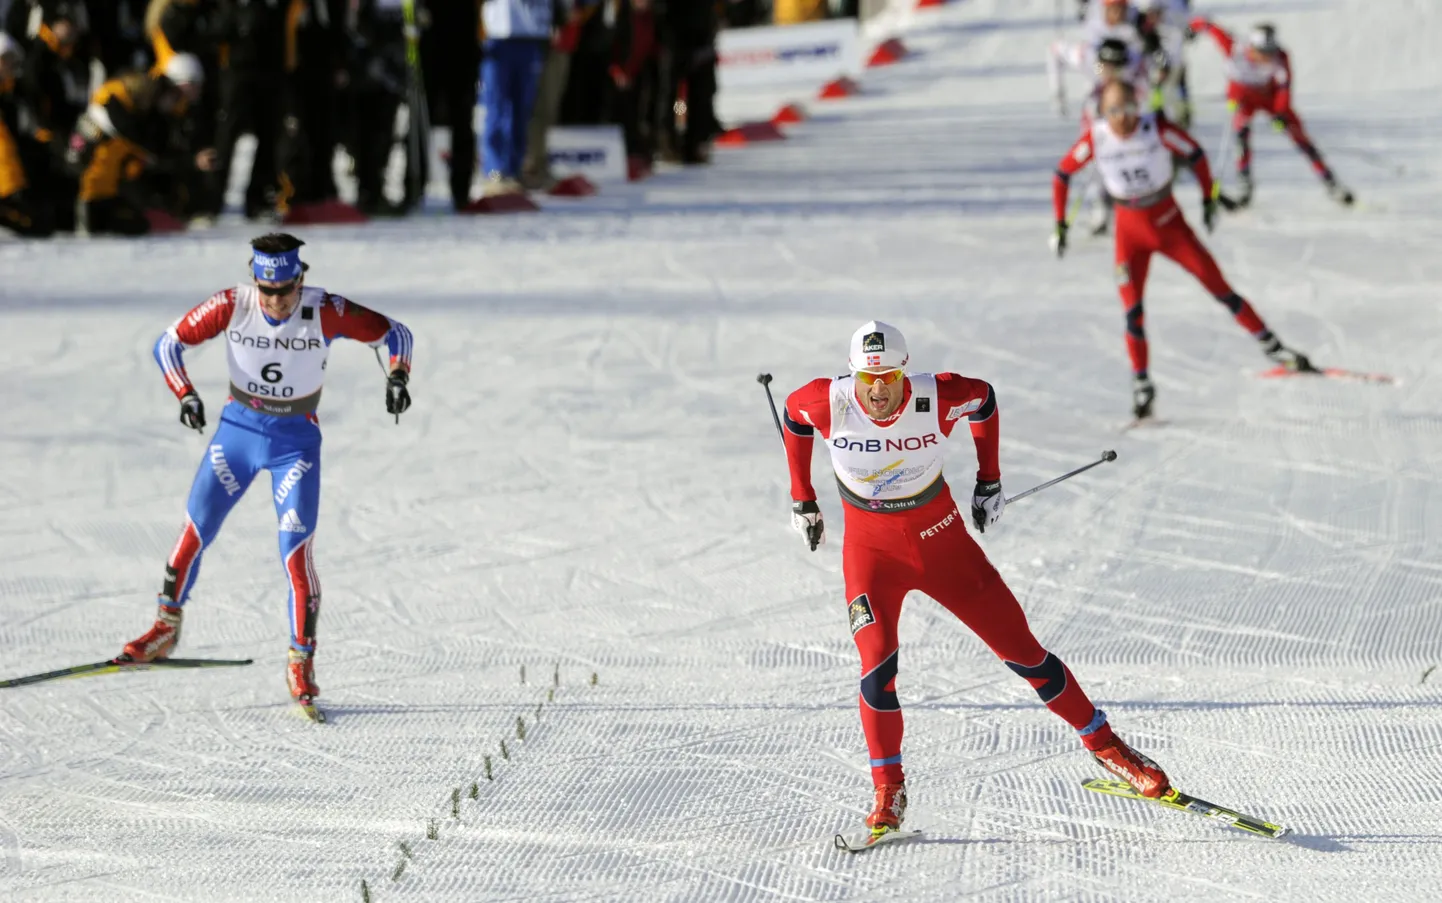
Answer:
(1264, 38)
(184, 69)
(8, 47)
(878, 346)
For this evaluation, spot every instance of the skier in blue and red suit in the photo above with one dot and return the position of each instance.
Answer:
(277, 333)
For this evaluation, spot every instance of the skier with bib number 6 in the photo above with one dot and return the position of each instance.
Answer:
(277, 333)
(884, 427)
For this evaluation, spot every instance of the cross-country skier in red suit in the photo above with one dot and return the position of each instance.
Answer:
(1259, 80)
(885, 428)
(277, 333)
(1135, 155)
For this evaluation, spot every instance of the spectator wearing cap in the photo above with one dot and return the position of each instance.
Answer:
(124, 132)
(185, 26)
(517, 32)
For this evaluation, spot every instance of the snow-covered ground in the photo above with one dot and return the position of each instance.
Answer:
(589, 481)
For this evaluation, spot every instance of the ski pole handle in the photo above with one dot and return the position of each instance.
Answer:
(765, 380)
(1107, 455)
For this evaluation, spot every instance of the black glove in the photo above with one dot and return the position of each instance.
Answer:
(1058, 239)
(987, 503)
(398, 398)
(1209, 214)
(192, 412)
(806, 520)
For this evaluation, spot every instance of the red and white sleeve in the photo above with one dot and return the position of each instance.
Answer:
(807, 411)
(343, 318)
(1182, 144)
(960, 396)
(203, 323)
(1075, 160)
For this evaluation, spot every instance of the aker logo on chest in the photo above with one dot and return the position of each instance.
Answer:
(280, 343)
(904, 443)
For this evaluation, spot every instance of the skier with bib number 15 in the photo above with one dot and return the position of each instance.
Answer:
(277, 333)
(884, 426)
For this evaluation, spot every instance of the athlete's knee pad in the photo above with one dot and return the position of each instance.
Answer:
(874, 685)
(1135, 318)
(1051, 673)
(1231, 301)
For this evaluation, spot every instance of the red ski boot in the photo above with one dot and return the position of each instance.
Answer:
(300, 676)
(889, 810)
(1145, 776)
(159, 641)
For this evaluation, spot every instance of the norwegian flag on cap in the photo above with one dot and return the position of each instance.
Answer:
(877, 345)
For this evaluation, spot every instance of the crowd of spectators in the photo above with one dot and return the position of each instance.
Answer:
(118, 114)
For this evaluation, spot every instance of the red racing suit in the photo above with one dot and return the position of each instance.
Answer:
(1136, 170)
(900, 542)
(1260, 84)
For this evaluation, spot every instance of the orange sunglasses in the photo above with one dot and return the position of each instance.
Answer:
(885, 376)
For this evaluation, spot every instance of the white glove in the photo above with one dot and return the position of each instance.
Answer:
(987, 503)
(806, 520)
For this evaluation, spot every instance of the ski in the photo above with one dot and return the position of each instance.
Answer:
(861, 841)
(114, 665)
(1175, 799)
(1330, 372)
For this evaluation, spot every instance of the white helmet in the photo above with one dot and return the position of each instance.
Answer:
(184, 69)
(1264, 38)
(9, 47)
(878, 346)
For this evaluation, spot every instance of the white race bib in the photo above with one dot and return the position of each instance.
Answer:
(276, 369)
(892, 467)
(1135, 166)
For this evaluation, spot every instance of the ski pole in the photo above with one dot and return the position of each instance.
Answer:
(1107, 455)
(1224, 149)
(765, 380)
(1081, 197)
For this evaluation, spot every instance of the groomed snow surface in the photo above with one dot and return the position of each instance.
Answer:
(589, 481)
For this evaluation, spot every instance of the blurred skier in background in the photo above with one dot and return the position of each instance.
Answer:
(1259, 80)
(1135, 154)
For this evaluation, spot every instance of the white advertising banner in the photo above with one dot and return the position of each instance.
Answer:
(814, 52)
(597, 152)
